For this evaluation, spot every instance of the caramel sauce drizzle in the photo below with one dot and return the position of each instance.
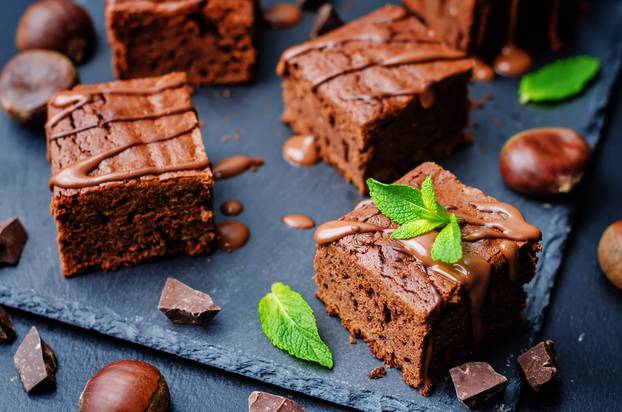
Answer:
(77, 175)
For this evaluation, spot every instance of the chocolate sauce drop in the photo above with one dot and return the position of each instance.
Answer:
(282, 16)
(298, 221)
(512, 61)
(231, 235)
(231, 207)
(300, 151)
(235, 165)
(482, 72)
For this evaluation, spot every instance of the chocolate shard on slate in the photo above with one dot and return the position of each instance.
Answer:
(540, 366)
(36, 363)
(327, 20)
(476, 383)
(7, 330)
(267, 402)
(13, 237)
(184, 305)
(311, 4)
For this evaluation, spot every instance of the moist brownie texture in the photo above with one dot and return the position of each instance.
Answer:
(379, 95)
(130, 177)
(211, 40)
(482, 27)
(415, 315)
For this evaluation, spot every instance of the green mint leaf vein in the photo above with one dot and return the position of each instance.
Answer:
(559, 80)
(448, 244)
(414, 229)
(288, 322)
(399, 203)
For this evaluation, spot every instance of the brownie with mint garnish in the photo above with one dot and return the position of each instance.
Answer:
(415, 311)
(380, 95)
(130, 177)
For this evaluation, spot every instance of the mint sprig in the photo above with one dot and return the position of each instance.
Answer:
(288, 322)
(559, 80)
(418, 212)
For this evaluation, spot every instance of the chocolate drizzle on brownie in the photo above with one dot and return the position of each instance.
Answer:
(77, 175)
(512, 61)
(472, 271)
(375, 31)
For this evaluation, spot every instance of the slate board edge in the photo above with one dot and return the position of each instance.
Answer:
(297, 379)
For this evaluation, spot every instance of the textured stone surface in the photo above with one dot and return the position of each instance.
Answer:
(112, 304)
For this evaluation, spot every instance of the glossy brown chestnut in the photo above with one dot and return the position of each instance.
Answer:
(128, 386)
(29, 79)
(610, 253)
(545, 161)
(59, 25)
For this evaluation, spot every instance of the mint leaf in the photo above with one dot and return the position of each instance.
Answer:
(288, 322)
(559, 80)
(414, 229)
(429, 201)
(448, 244)
(399, 203)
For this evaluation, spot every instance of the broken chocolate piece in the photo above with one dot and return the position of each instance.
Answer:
(184, 305)
(311, 4)
(476, 383)
(7, 330)
(327, 20)
(267, 402)
(36, 363)
(13, 237)
(540, 366)
(377, 373)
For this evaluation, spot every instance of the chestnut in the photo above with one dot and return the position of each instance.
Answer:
(128, 385)
(59, 25)
(29, 79)
(545, 161)
(610, 253)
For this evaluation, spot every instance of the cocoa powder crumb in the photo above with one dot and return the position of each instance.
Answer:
(377, 373)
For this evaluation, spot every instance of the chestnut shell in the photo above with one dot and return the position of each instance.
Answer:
(128, 385)
(29, 79)
(545, 161)
(610, 253)
(59, 25)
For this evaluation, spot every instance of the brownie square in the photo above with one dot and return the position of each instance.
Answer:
(379, 95)
(420, 315)
(130, 177)
(483, 27)
(211, 41)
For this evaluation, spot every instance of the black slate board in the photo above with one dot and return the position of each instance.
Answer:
(123, 304)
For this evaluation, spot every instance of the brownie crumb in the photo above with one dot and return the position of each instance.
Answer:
(377, 373)
(352, 340)
(489, 96)
(226, 93)
(478, 104)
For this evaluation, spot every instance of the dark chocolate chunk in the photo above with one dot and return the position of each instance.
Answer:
(377, 373)
(184, 305)
(311, 4)
(7, 330)
(267, 402)
(540, 366)
(13, 237)
(476, 383)
(327, 20)
(36, 363)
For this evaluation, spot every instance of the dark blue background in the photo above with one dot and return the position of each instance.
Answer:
(584, 304)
